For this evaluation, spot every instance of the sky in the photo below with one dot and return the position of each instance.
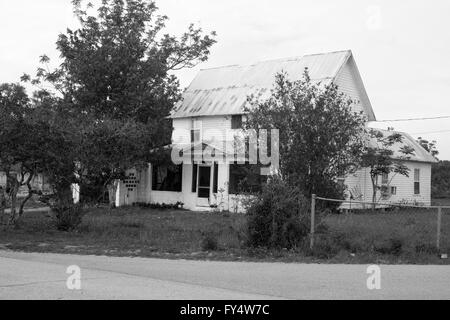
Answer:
(401, 47)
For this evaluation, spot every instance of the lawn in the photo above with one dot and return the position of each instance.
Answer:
(408, 234)
(391, 237)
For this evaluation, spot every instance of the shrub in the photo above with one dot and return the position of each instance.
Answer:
(426, 248)
(209, 242)
(325, 247)
(278, 217)
(160, 206)
(68, 218)
(392, 246)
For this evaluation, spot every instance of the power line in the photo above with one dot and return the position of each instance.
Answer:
(414, 119)
(430, 132)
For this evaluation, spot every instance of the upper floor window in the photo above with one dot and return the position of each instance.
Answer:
(236, 122)
(416, 181)
(196, 131)
(385, 179)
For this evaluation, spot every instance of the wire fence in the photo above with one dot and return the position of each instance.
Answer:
(386, 228)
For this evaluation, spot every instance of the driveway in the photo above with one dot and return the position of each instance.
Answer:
(43, 276)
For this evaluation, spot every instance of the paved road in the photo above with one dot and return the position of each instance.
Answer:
(43, 276)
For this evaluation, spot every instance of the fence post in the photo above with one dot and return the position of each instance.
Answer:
(439, 220)
(313, 216)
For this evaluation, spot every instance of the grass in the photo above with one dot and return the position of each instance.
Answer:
(391, 237)
(128, 231)
(406, 235)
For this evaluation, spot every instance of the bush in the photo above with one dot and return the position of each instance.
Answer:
(278, 217)
(160, 206)
(209, 242)
(392, 246)
(68, 218)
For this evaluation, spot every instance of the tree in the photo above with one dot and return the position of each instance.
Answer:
(24, 145)
(430, 146)
(116, 81)
(440, 180)
(14, 104)
(320, 137)
(379, 157)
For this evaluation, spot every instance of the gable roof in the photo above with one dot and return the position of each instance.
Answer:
(224, 90)
(420, 154)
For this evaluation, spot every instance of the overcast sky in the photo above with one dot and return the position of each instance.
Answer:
(401, 47)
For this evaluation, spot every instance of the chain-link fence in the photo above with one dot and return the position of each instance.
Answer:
(385, 228)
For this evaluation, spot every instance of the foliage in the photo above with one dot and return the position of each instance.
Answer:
(380, 159)
(209, 242)
(320, 137)
(278, 217)
(26, 149)
(430, 146)
(440, 180)
(160, 206)
(68, 218)
(115, 88)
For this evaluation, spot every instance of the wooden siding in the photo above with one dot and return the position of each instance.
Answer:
(405, 185)
(213, 128)
(347, 83)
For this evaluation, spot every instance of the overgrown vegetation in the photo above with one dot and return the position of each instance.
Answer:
(440, 180)
(278, 217)
(102, 110)
(321, 137)
(394, 237)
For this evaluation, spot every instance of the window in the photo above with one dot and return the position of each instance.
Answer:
(195, 131)
(393, 191)
(167, 178)
(416, 181)
(236, 122)
(215, 177)
(194, 177)
(245, 177)
(195, 135)
(385, 179)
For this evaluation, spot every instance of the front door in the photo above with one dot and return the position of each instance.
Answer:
(204, 185)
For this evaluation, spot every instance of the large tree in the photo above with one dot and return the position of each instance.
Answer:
(14, 103)
(320, 136)
(28, 145)
(116, 80)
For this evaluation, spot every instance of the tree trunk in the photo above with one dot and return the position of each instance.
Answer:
(2, 204)
(24, 201)
(112, 191)
(374, 193)
(63, 193)
(13, 186)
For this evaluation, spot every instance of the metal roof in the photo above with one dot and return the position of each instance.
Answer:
(224, 90)
(420, 154)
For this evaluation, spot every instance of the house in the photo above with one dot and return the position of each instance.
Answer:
(38, 182)
(396, 188)
(213, 106)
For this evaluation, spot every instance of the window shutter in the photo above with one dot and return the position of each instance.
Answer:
(216, 176)
(194, 178)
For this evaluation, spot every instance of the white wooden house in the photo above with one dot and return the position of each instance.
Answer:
(213, 104)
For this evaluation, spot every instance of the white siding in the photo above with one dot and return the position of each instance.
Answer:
(405, 185)
(213, 128)
(347, 84)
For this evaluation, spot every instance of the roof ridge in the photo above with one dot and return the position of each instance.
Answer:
(292, 58)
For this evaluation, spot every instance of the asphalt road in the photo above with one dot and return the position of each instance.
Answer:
(43, 276)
